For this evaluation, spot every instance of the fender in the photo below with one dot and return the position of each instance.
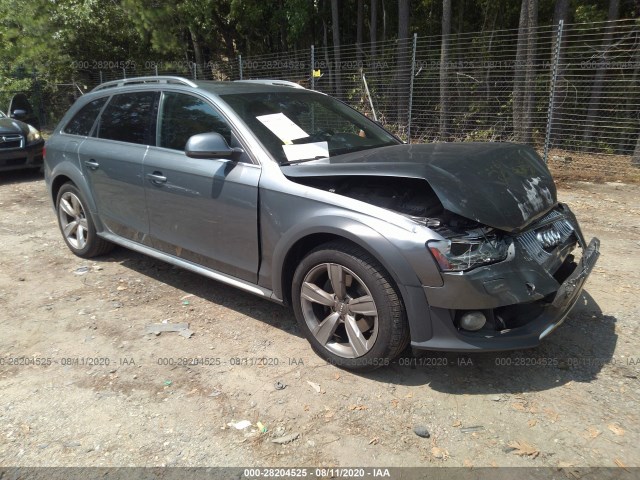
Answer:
(80, 181)
(356, 232)
(389, 256)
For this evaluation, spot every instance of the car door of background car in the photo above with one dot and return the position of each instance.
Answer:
(112, 157)
(201, 210)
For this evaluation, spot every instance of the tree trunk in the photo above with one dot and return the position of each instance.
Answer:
(335, 29)
(384, 22)
(635, 161)
(228, 32)
(197, 49)
(460, 15)
(445, 113)
(596, 90)
(519, 73)
(530, 75)
(630, 113)
(373, 29)
(359, 32)
(327, 62)
(488, 70)
(403, 72)
(561, 12)
(284, 45)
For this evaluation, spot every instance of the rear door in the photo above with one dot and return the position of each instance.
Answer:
(201, 210)
(112, 160)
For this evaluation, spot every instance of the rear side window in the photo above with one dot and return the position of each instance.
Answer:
(183, 116)
(82, 121)
(129, 118)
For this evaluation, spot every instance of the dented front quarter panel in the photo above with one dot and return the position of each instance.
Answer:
(291, 211)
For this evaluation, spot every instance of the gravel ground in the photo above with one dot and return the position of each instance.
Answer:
(82, 384)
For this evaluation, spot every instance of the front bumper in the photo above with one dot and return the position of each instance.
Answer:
(501, 288)
(19, 158)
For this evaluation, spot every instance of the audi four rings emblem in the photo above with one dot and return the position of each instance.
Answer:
(549, 238)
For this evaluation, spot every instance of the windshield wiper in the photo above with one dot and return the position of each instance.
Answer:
(302, 160)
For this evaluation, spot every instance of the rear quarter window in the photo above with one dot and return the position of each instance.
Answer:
(83, 121)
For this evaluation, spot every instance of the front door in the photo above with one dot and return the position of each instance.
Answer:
(201, 210)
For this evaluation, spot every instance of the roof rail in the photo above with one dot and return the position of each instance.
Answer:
(266, 81)
(142, 80)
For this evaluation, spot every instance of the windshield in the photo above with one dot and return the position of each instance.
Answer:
(303, 125)
(2, 115)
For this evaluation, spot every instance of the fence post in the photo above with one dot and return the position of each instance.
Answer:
(101, 80)
(195, 71)
(156, 68)
(552, 90)
(413, 72)
(366, 90)
(240, 65)
(124, 72)
(313, 64)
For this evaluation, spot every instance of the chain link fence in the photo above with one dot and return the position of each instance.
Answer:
(570, 90)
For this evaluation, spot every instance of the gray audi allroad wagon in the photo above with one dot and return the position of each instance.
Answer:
(292, 195)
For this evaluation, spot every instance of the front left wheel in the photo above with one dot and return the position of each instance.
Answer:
(348, 307)
(76, 224)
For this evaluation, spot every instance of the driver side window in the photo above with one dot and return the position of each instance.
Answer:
(182, 116)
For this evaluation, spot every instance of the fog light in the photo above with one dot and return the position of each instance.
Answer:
(473, 321)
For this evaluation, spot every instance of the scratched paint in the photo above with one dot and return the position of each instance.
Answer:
(539, 198)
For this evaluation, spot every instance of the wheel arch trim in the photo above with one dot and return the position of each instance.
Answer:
(365, 237)
(64, 173)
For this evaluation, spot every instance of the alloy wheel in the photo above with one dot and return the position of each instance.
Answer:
(73, 220)
(339, 310)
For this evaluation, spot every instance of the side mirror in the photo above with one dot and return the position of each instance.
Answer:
(19, 114)
(210, 145)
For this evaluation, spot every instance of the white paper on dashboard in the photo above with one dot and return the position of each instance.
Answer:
(282, 127)
(306, 150)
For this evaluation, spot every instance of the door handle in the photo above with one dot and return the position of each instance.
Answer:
(91, 164)
(157, 178)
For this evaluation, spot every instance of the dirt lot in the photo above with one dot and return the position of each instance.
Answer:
(107, 394)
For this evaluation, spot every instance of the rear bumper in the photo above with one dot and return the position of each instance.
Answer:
(548, 313)
(19, 158)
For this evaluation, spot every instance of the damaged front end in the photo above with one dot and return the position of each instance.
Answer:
(504, 290)
(512, 259)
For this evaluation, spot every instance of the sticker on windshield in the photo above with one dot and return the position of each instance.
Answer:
(306, 151)
(282, 127)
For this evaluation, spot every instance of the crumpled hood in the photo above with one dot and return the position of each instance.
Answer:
(502, 185)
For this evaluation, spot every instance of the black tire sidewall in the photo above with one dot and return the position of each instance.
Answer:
(379, 355)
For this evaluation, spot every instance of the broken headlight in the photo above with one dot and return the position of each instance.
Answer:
(464, 253)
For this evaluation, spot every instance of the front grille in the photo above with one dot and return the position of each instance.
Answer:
(11, 141)
(545, 236)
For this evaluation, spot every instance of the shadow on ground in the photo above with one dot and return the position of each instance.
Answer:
(20, 176)
(206, 289)
(576, 351)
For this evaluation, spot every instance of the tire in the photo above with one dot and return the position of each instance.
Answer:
(360, 323)
(76, 224)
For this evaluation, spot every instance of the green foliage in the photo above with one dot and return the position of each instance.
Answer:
(591, 13)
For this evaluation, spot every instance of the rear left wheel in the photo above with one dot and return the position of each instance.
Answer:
(76, 224)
